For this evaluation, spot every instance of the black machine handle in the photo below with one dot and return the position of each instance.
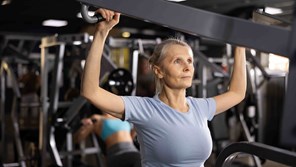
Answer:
(258, 149)
(90, 19)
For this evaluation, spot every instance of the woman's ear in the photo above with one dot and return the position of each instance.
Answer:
(157, 71)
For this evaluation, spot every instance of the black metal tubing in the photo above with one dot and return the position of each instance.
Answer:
(204, 60)
(54, 100)
(88, 18)
(74, 109)
(198, 22)
(288, 125)
(258, 149)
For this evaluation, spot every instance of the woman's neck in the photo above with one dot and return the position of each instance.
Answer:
(174, 99)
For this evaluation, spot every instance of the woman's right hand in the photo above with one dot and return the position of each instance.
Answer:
(84, 131)
(87, 122)
(111, 19)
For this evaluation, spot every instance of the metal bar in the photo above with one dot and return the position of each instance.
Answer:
(258, 149)
(16, 130)
(288, 128)
(248, 136)
(53, 149)
(100, 156)
(207, 24)
(14, 36)
(257, 64)
(15, 124)
(18, 53)
(54, 94)
(44, 107)
(69, 147)
(3, 46)
(14, 82)
(2, 110)
(90, 150)
(214, 67)
(73, 110)
(135, 62)
(54, 99)
(202, 74)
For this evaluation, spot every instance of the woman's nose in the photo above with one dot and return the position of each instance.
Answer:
(186, 66)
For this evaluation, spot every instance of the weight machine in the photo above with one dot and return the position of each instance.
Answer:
(17, 49)
(221, 28)
(50, 101)
(8, 73)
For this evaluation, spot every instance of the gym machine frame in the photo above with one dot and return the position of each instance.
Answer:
(261, 150)
(202, 23)
(17, 48)
(5, 68)
(50, 102)
(235, 31)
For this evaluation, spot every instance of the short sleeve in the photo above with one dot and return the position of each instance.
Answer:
(211, 103)
(207, 107)
(137, 109)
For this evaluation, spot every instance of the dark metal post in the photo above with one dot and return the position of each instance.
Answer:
(235, 31)
(3, 115)
(54, 99)
(43, 132)
(288, 128)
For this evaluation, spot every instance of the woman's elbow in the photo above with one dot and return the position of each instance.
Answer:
(241, 97)
(238, 96)
(85, 94)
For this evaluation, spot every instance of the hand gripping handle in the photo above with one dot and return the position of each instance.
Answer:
(90, 19)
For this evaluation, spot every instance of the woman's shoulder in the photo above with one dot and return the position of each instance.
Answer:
(139, 98)
(199, 100)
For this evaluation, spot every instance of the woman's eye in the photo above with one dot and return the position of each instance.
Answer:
(189, 61)
(177, 61)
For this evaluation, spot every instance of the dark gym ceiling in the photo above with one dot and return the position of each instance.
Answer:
(26, 16)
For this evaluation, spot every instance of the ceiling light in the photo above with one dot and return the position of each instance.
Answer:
(176, 0)
(126, 34)
(272, 11)
(5, 2)
(77, 43)
(54, 23)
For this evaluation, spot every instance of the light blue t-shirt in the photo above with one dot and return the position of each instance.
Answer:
(169, 138)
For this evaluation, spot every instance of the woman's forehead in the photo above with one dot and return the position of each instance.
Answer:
(178, 50)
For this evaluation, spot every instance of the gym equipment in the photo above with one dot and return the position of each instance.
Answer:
(49, 117)
(90, 19)
(68, 123)
(50, 103)
(137, 47)
(14, 49)
(288, 126)
(120, 81)
(222, 28)
(5, 67)
(261, 150)
(203, 64)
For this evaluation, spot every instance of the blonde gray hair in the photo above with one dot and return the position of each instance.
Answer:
(158, 55)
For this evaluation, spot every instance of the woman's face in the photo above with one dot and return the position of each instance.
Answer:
(177, 67)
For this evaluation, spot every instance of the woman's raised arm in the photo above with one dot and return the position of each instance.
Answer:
(237, 86)
(90, 88)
